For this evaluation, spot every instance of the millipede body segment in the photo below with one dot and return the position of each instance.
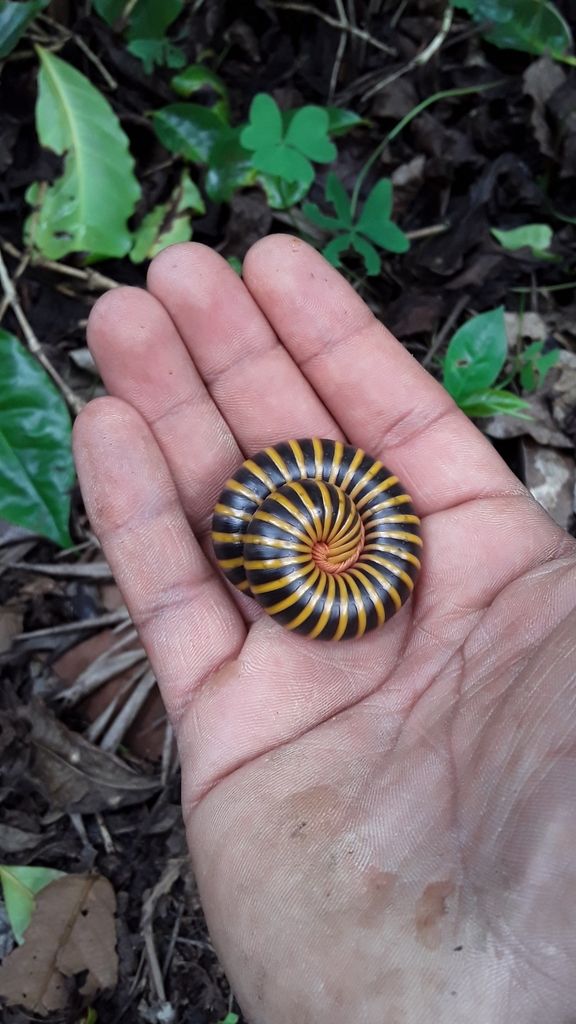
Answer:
(322, 535)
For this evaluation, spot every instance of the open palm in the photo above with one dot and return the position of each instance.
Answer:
(382, 829)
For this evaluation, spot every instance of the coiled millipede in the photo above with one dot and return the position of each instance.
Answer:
(321, 534)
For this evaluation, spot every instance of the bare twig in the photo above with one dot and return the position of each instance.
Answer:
(167, 748)
(92, 278)
(65, 35)
(418, 61)
(433, 229)
(445, 329)
(289, 5)
(89, 571)
(95, 622)
(172, 872)
(115, 734)
(75, 403)
(336, 66)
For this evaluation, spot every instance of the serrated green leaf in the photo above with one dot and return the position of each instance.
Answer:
(534, 26)
(265, 127)
(342, 121)
(36, 466)
(307, 132)
(493, 401)
(20, 885)
(337, 195)
(14, 20)
(314, 214)
(476, 355)
(229, 167)
(196, 77)
(282, 194)
(86, 209)
(534, 236)
(189, 129)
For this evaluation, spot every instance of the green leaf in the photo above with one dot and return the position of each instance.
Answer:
(342, 121)
(109, 10)
(307, 132)
(475, 355)
(156, 51)
(169, 222)
(375, 219)
(189, 129)
(537, 237)
(368, 254)
(338, 196)
(236, 264)
(283, 161)
(196, 77)
(86, 209)
(14, 20)
(229, 167)
(282, 194)
(336, 247)
(534, 26)
(20, 885)
(150, 19)
(265, 127)
(314, 214)
(36, 467)
(493, 401)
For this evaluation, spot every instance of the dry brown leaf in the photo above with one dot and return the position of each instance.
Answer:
(540, 81)
(76, 775)
(71, 931)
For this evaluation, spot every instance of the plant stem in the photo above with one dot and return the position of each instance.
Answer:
(445, 94)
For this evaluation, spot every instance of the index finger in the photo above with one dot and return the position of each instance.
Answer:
(382, 398)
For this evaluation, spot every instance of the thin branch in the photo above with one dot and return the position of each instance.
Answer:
(75, 403)
(433, 229)
(66, 35)
(93, 279)
(418, 61)
(289, 5)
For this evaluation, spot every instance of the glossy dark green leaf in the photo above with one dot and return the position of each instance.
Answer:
(151, 18)
(36, 467)
(197, 77)
(189, 129)
(229, 166)
(494, 401)
(110, 10)
(342, 121)
(14, 20)
(476, 355)
(534, 26)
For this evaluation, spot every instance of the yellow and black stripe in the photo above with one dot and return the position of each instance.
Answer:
(285, 500)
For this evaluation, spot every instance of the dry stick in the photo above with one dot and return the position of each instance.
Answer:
(125, 718)
(66, 35)
(75, 403)
(288, 5)
(25, 256)
(172, 872)
(92, 278)
(445, 329)
(433, 229)
(336, 67)
(416, 62)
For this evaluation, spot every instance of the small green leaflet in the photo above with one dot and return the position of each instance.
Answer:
(36, 466)
(533, 365)
(169, 222)
(14, 20)
(86, 209)
(159, 52)
(287, 154)
(534, 26)
(20, 885)
(374, 223)
(474, 360)
(536, 237)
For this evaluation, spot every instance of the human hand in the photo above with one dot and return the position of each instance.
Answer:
(382, 829)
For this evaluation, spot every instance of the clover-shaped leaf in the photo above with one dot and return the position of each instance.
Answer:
(374, 223)
(286, 152)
